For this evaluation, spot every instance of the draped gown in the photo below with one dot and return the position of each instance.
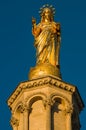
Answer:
(47, 45)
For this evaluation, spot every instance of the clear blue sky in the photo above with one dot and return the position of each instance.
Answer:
(17, 53)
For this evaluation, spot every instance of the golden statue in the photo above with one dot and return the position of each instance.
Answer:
(47, 43)
(47, 37)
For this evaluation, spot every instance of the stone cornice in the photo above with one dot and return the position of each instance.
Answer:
(49, 80)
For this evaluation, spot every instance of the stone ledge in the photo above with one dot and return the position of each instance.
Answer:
(50, 80)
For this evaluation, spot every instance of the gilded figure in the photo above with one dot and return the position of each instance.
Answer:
(47, 37)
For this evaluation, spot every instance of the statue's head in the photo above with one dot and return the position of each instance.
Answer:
(47, 12)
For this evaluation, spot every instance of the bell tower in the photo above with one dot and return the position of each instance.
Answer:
(45, 101)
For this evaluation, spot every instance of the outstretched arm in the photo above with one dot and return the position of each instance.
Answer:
(33, 22)
(35, 28)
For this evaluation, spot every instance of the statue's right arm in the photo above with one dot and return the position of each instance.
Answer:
(36, 30)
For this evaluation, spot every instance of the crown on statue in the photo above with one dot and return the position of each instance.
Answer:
(46, 6)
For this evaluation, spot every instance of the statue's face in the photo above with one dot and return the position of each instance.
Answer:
(47, 14)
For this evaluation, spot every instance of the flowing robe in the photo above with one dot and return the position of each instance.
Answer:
(47, 46)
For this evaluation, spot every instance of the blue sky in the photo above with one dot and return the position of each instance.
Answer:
(17, 53)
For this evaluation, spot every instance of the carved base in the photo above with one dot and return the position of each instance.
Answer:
(43, 70)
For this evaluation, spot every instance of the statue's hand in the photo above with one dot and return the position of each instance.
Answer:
(33, 21)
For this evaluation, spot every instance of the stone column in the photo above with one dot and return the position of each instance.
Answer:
(14, 123)
(48, 117)
(26, 118)
(24, 110)
(68, 112)
(69, 124)
(48, 104)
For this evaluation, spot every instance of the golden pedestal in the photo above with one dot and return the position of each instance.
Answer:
(44, 70)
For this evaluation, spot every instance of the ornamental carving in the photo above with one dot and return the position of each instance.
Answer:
(69, 109)
(22, 108)
(40, 82)
(48, 102)
(14, 121)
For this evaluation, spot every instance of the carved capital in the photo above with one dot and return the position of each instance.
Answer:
(23, 108)
(14, 121)
(48, 102)
(69, 109)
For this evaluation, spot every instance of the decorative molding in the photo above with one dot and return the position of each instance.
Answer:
(14, 121)
(48, 80)
(55, 96)
(29, 99)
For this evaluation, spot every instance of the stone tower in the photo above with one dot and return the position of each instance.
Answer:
(45, 101)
